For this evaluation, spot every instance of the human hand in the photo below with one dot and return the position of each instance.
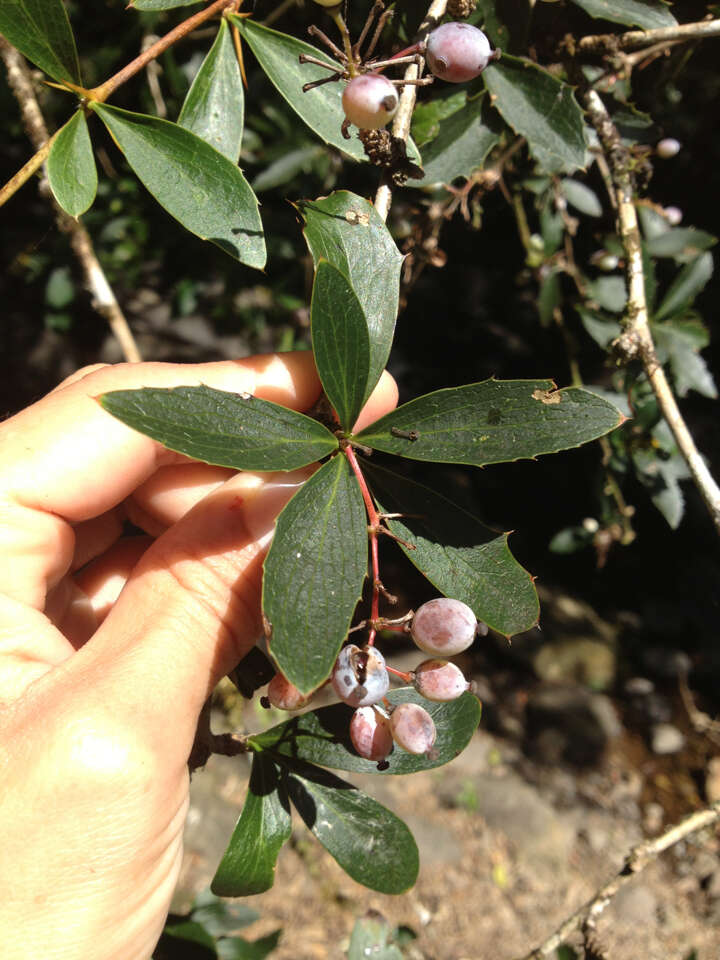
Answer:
(100, 690)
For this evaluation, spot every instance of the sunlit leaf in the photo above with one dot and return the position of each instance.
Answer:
(71, 167)
(647, 14)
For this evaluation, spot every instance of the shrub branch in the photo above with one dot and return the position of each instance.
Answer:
(636, 39)
(636, 861)
(636, 341)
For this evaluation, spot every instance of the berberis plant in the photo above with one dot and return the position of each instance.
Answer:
(326, 538)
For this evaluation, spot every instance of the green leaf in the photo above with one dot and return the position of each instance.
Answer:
(341, 344)
(492, 422)
(227, 429)
(41, 31)
(161, 4)
(321, 108)
(427, 115)
(581, 197)
(314, 572)
(71, 167)
(602, 329)
(542, 109)
(219, 917)
(686, 286)
(646, 14)
(678, 341)
(236, 948)
(609, 292)
(463, 142)
(458, 554)
(660, 476)
(189, 931)
(287, 166)
(346, 230)
(215, 103)
(549, 296)
(370, 939)
(368, 841)
(682, 243)
(197, 185)
(322, 736)
(248, 864)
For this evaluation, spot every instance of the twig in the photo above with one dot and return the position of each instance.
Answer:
(103, 299)
(636, 341)
(635, 39)
(636, 861)
(403, 117)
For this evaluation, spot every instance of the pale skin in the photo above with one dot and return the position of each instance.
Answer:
(109, 647)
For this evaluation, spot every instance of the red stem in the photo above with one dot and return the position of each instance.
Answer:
(373, 524)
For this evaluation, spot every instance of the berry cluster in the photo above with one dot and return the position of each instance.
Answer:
(361, 679)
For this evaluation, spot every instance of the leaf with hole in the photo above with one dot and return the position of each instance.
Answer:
(214, 106)
(458, 554)
(41, 31)
(322, 736)
(71, 167)
(248, 864)
(341, 342)
(195, 183)
(314, 574)
(226, 429)
(495, 421)
(368, 841)
(347, 231)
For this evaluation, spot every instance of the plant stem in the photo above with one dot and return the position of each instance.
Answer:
(103, 298)
(636, 341)
(101, 93)
(374, 524)
(403, 116)
(638, 858)
(635, 39)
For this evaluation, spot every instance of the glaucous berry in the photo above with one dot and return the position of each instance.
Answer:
(360, 677)
(673, 215)
(285, 695)
(369, 101)
(444, 626)
(458, 52)
(667, 148)
(370, 734)
(412, 728)
(439, 680)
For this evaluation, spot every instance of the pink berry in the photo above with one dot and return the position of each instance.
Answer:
(673, 215)
(458, 52)
(370, 734)
(369, 101)
(412, 728)
(285, 695)
(440, 680)
(360, 677)
(667, 148)
(444, 626)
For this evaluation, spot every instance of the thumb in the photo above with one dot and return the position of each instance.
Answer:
(189, 611)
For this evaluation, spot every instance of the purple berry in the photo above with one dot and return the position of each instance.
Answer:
(370, 734)
(369, 101)
(458, 52)
(667, 148)
(285, 695)
(360, 677)
(440, 680)
(412, 728)
(444, 626)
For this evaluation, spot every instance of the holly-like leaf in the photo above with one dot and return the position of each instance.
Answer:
(41, 31)
(341, 344)
(215, 103)
(458, 554)
(346, 230)
(463, 142)
(322, 736)
(542, 109)
(679, 342)
(691, 279)
(492, 422)
(248, 864)
(647, 14)
(321, 108)
(227, 429)
(71, 167)
(368, 841)
(195, 183)
(314, 574)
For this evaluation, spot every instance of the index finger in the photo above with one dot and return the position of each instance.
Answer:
(67, 456)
